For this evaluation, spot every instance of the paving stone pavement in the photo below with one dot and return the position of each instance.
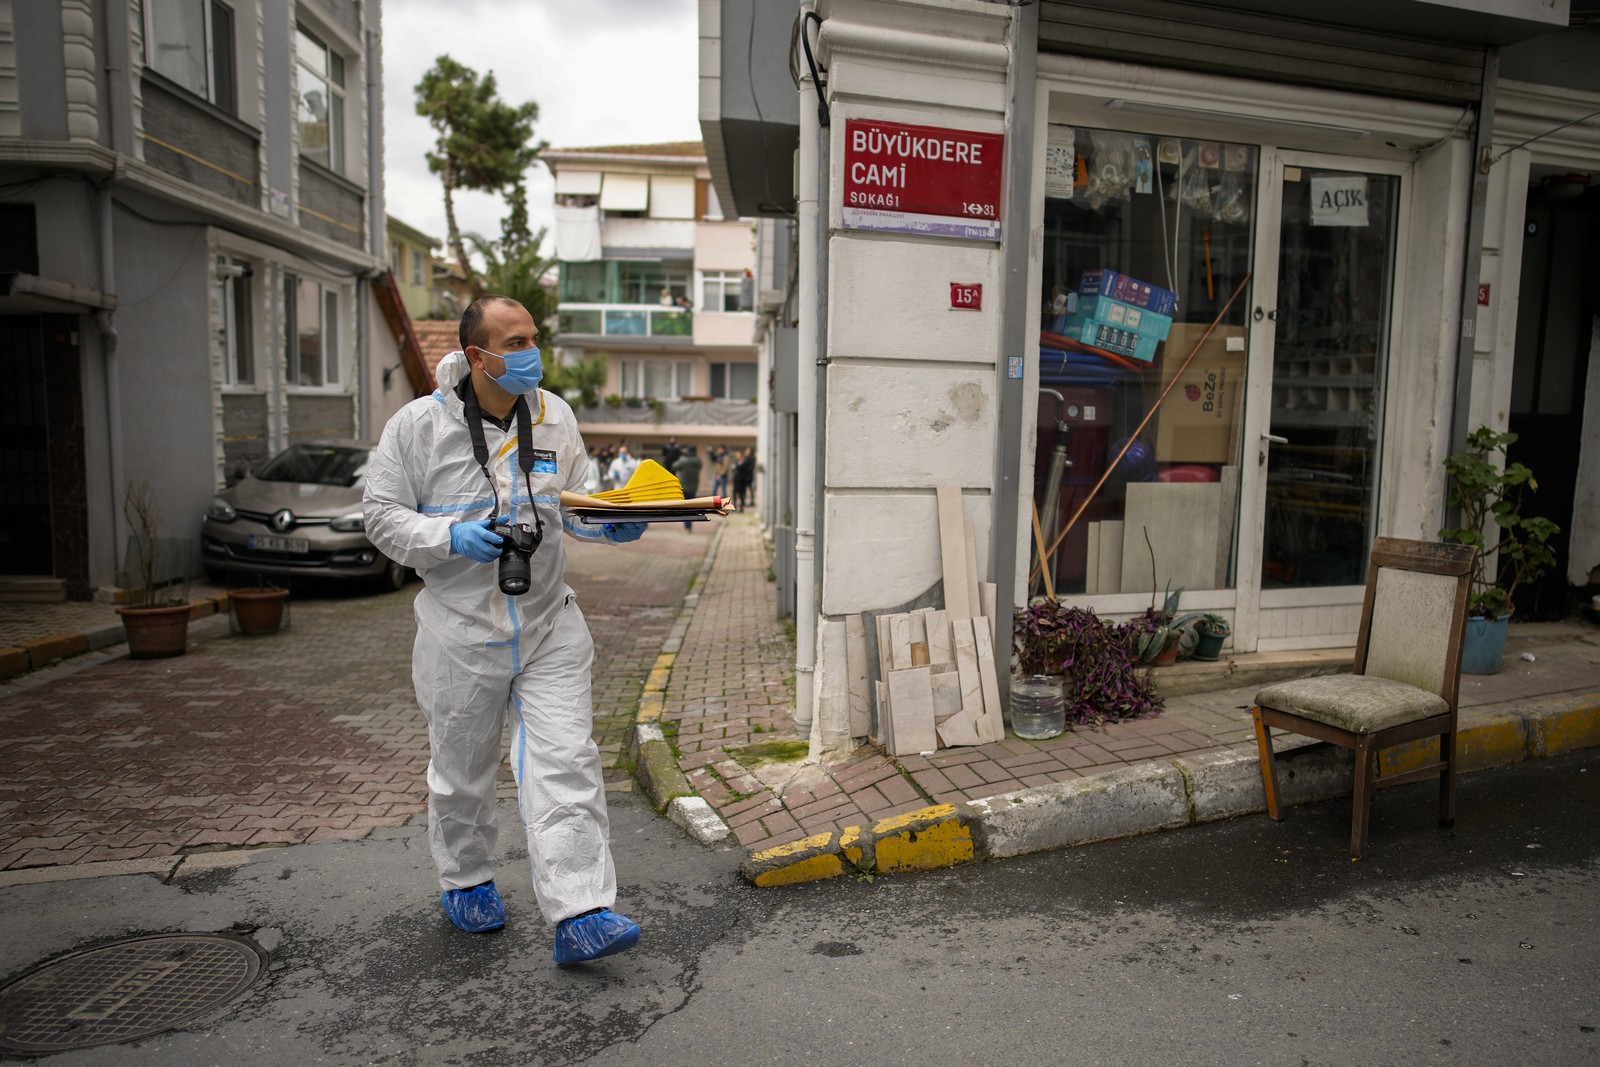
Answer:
(732, 685)
(309, 734)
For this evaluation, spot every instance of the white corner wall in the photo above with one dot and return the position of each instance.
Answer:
(910, 396)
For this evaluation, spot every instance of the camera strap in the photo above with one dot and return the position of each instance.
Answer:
(480, 447)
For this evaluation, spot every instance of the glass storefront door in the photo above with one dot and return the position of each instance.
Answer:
(1330, 347)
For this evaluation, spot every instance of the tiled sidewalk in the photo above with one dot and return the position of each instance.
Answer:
(309, 734)
(732, 685)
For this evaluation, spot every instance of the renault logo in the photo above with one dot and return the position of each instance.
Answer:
(282, 521)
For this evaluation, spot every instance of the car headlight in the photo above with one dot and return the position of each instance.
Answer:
(221, 510)
(352, 523)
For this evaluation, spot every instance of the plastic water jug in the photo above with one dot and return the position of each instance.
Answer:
(1038, 707)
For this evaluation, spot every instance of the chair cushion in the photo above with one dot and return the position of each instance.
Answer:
(1359, 703)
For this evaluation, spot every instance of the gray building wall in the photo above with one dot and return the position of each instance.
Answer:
(41, 71)
(164, 362)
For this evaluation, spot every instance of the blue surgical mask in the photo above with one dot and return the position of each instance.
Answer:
(524, 370)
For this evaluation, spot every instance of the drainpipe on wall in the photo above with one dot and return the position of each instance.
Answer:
(805, 602)
(363, 358)
(1472, 268)
(105, 320)
(1013, 407)
(113, 18)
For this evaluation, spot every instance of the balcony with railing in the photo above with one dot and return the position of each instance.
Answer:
(624, 322)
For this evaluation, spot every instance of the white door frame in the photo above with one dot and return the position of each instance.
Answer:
(1329, 630)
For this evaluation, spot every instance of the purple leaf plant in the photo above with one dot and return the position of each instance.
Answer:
(1098, 659)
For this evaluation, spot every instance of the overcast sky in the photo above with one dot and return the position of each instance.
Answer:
(602, 72)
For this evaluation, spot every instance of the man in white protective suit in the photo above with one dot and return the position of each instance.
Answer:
(499, 630)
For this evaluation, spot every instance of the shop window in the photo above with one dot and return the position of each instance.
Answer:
(319, 78)
(1145, 239)
(191, 43)
(311, 332)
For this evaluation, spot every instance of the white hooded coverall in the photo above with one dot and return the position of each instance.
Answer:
(479, 651)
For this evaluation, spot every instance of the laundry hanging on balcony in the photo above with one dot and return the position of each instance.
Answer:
(577, 233)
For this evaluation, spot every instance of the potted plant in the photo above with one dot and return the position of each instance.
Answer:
(1211, 630)
(1157, 632)
(1515, 549)
(157, 621)
(258, 609)
(1095, 659)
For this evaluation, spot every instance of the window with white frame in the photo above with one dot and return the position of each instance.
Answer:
(656, 379)
(311, 332)
(238, 334)
(191, 43)
(720, 290)
(320, 82)
(733, 381)
(418, 273)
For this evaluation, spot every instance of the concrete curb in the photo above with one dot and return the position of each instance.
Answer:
(1147, 797)
(655, 767)
(18, 660)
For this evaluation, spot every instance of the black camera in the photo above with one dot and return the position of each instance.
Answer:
(518, 543)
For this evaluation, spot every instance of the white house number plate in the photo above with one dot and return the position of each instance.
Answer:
(264, 543)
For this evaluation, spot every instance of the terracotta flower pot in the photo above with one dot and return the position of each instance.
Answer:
(259, 611)
(155, 633)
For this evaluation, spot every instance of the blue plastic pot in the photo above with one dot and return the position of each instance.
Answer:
(1485, 645)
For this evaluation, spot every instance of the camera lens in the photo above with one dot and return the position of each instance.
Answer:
(514, 573)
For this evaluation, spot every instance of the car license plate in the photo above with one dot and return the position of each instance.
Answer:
(264, 543)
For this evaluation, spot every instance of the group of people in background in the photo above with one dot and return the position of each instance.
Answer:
(733, 474)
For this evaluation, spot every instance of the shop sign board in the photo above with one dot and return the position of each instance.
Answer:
(922, 179)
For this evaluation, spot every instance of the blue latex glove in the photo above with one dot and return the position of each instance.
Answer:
(473, 540)
(620, 533)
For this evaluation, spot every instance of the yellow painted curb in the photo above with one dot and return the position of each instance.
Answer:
(811, 869)
(1499, 742)
(929, 848)
(778, 852)
(924, 840)
(1569, 731)
(651, 705)
(899, 822)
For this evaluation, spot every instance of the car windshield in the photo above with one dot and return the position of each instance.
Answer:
(318, 465)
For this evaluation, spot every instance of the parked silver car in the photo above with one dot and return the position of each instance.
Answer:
(298, 516)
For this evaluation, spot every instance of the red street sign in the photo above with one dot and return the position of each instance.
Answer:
(1483, 296)
(922, 179)
(966, 297)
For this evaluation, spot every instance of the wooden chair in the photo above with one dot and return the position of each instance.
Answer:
(1404, 685)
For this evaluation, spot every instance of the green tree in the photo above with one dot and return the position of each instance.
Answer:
(578, 382)
(516, 268)
(482, 143)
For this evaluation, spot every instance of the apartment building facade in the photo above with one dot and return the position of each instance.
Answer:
(192, 200)
(655, 281)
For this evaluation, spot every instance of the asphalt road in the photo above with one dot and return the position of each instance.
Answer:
(1235, 943)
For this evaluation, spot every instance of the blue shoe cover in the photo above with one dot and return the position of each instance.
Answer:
(588, 937)
(476, 910)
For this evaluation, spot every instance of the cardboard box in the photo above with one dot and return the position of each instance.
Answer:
(1115, 313)
(1201, 419)
(1115, 339)
(1128, 290)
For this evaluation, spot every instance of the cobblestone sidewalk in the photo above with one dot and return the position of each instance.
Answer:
(309, 734)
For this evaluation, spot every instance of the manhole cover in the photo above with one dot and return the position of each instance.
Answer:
(125, 990)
